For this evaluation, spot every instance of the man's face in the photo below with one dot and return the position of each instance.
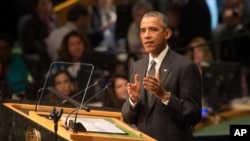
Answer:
(153, 35)
(230, 20)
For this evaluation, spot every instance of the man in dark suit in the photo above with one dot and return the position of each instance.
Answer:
(167, 104)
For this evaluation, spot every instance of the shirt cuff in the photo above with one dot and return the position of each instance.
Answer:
(166, 102)
(132, 104)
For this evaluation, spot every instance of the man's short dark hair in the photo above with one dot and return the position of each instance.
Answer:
(164, 19)
(76, 11)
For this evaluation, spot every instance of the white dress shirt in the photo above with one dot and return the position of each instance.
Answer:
(158, 59)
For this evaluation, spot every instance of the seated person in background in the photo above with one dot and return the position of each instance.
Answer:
(135, 47)
(189, 19)
(33, 35)
(199, 52)
(234, 38)
(62, 82)
(78, 19)
(71, 58)
(103, 20)
(73, 48)
(37, 28)
(117, 93)
(13, 71)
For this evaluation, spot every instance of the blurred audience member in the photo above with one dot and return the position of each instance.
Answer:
(13, 71)
(78, 20)
(117, 92)
(194, 20)
(71, 58)
(199, 52)
(103, 20)
(34, 31)
(233, 42)
(73, 48)
(135, 47)
(174, 12)
(233, 38)
(62, 82)
(37, 28)
(242, 5)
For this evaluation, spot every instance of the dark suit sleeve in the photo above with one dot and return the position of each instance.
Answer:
(186, 106)
(129, 115)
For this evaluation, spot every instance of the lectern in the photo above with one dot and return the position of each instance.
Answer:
(40, 117)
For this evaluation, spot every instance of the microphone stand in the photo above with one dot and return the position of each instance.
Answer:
(78, 126)
(38, 98)
(66, 120)
(72, 101)
(56, 116)
(73, 124)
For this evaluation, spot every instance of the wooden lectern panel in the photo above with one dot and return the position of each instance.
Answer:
(41, 117)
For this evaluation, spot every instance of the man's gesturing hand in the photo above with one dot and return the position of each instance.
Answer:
(134, 89)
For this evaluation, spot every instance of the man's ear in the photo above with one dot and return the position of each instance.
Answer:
(168, 33)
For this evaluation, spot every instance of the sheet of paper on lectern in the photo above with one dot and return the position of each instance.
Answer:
(99, 125)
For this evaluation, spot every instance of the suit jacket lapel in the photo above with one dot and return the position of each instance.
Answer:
(165, 67)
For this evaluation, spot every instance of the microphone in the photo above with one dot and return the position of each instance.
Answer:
(38, 101)
(81, 127)
(105, 88)
(80, 92)
(70, 100)
(56, 117)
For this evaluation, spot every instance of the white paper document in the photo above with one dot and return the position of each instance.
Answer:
(98, 125)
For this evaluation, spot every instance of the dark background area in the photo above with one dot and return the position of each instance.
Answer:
(11, 11)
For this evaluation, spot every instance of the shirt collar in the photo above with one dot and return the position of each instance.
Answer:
(158, 59)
